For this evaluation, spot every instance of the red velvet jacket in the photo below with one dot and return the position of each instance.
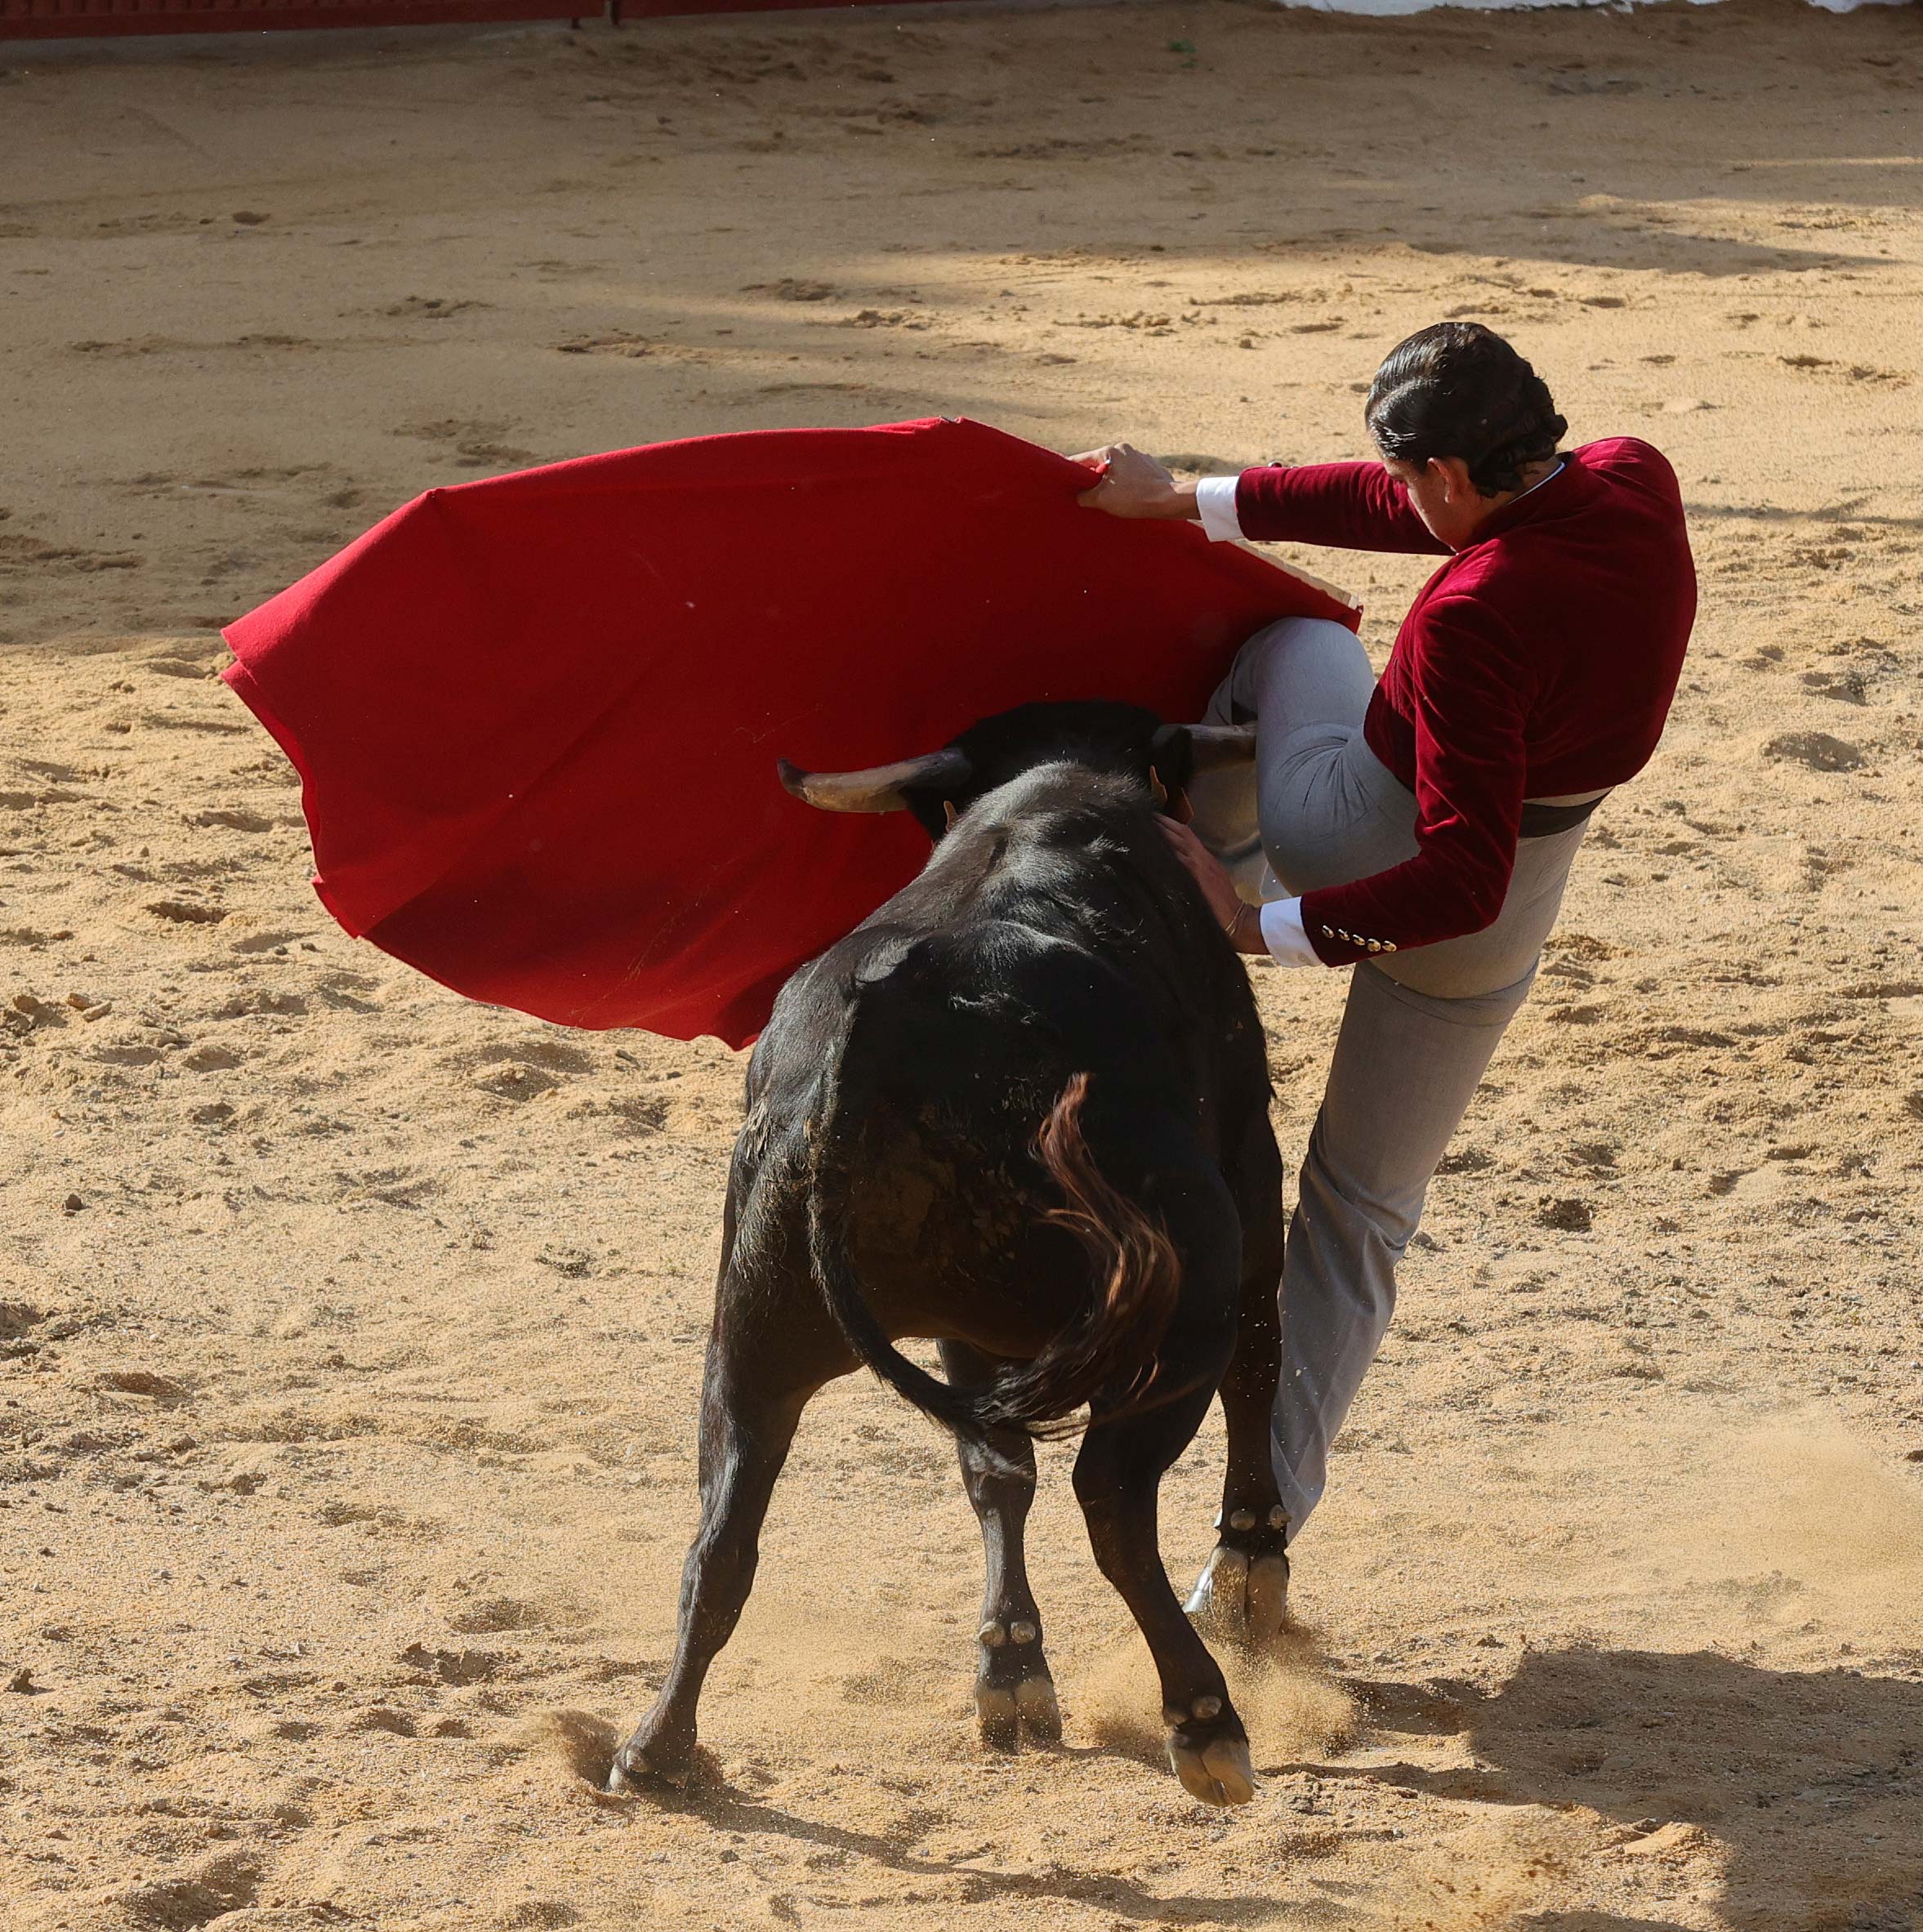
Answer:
(1539, 661)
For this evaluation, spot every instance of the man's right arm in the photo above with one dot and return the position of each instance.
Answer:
(1343, 506)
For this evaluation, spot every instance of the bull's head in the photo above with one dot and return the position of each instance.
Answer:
(1122, 739)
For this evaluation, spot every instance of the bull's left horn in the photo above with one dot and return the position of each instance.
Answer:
(1217, 745)
(880, 788)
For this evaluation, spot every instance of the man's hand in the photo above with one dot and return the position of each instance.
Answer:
(1133, 485)
(1242, 923)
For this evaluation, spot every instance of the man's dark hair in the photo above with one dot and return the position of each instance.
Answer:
(1457, 389)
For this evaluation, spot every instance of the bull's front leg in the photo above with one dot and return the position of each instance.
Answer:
(753, 1391)
(1013, 1689)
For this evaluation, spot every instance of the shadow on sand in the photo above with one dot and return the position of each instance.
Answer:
(1813, 1781)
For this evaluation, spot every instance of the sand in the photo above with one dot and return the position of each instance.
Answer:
(351, 1333)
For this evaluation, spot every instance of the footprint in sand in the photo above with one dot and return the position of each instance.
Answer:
(523, 1071)
(788, 290)
(493, 1615)
(430, 308)
(244, 1006)
(382, 1717)
(475, 444)
(180, 912)
(640, 1113)
(1816, 751)
(197, 1894)
(453, 1666)
(234, 818)
(270, 939)
(1847, 687)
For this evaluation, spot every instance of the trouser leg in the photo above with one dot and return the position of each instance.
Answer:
(1405, 1066)
(1290, 678)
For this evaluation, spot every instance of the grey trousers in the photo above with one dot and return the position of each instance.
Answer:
(1318, 808)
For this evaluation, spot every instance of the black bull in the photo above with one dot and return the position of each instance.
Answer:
(1022, 1110)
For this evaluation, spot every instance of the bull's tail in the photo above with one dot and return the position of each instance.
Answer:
(830, 1192)
(1112, 1343)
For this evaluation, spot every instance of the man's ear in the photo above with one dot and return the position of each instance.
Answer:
(1454, 472)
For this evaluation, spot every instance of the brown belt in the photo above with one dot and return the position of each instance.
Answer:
(1545, 821)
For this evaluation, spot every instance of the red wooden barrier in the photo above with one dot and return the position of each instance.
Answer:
(52, 20)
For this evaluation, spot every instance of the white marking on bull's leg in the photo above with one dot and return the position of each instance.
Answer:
(991, 1635)
(1034, 1696)
(997, 1711)
(1268, 1598)
(1022, 1631)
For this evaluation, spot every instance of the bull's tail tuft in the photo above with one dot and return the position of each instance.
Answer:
(1111, 1344)
(1138, 1277)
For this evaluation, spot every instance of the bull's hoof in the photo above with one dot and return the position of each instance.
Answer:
(1218, 1772)
(1242, 1599)
(641, 1763)
(1013, 1690)
(1006, 1710)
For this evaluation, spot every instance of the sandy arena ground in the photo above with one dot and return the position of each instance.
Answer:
(350, 1334)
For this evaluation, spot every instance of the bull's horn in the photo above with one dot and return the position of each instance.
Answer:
(1217, 745)
(881, 787)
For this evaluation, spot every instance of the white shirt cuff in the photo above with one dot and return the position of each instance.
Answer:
(1214, 501)
(1285, 936)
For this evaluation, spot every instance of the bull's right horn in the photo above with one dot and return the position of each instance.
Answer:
(1217, 745)
(880, 788)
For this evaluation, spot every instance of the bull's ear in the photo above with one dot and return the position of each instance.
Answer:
(1168, 756)
(881, 787)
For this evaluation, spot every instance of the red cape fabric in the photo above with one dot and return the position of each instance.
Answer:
(535, 718)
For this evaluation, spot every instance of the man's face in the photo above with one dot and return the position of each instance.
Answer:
(1439, 492)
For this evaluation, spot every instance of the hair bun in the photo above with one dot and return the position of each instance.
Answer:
(1457, 389)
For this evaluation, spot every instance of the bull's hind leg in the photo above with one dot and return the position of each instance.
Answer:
(1242, 1596)
(1013, 1689)
(755, 1384)
(1118, 1476)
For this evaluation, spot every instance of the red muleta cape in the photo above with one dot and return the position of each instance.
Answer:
(535, 718)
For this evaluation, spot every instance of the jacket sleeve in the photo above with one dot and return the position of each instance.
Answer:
(1346, 506)
(1475, 688)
